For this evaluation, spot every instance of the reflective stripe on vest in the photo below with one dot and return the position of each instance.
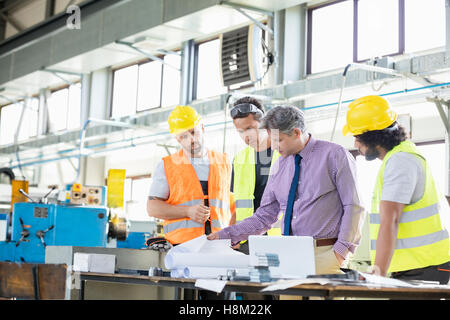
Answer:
(410, 216)
(422, 239)
(185, 224)
(244, 184)
(192, 202)
(414, 242)
(218, 204)
(244, 203)
(212, 203)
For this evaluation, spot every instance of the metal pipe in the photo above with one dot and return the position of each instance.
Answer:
(368, 67)
(246, 7)
(258, 23)
(39, 161)
(16, 136)
(338, 107)
(83, 136)
(344, 76)
(151, 56)
(383, 95)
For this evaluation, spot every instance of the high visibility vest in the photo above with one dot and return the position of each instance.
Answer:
(422, 238)
(185, 190)
(244, 184)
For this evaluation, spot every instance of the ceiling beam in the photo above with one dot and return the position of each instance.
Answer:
(9, 5)
(49, 8)
(2, 25)
(12, 21)
(51, 25)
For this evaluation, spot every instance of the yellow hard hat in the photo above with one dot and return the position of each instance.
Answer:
(367, 114)
(183, 118)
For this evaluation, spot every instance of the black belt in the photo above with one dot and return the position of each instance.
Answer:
(325, 242)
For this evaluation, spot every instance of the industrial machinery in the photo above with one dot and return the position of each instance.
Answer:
(139, 232)
(78, 218)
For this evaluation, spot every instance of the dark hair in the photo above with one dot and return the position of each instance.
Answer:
(284, 118)
(387, 138)
(257, 103)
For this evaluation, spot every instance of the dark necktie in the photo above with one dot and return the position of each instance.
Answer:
(291, 197)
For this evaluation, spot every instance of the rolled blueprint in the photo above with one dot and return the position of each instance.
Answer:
(204, 272)
(211, 272)
(180, 259)
(200, 252)
(179, 273)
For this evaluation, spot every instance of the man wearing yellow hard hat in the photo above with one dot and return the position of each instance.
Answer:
(191, 188)
(409, 218)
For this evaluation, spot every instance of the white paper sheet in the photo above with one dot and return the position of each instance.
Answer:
(201, 252)
(212, 285)
(285, 284)
(374, 280)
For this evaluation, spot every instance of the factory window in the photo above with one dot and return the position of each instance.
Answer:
(32, 114)
(435, 153)
(135, 196)
(125, 91)
(74, 107)
(367, 170)
(171, 80)
(209, 81)
(10, 119)
(330, 48)
(64, 107)
(349, 31)
(146, 86)
(377, 28)
(366, 177)
(57, 110)
(149, 85)
(430, 32)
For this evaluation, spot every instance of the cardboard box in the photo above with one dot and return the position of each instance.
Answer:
(91, 262)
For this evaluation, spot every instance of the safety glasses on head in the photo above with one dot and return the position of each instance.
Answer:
(244, 109)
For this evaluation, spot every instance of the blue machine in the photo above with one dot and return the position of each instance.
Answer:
(36, 225)
(138, 233)
(135, 240)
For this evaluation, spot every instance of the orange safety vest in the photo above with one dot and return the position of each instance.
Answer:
(185, 190)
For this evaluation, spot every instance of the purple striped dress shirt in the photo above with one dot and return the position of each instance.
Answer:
(327, 203)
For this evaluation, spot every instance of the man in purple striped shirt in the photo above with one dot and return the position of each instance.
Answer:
(327, 204)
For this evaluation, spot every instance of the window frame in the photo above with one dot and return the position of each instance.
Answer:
(22, 101)
(139, 63)
(310, 10)
(59, 88)
(196, 64)
(132, 180)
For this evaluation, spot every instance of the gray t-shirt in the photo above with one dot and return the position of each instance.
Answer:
(404, 179)
(160, 186)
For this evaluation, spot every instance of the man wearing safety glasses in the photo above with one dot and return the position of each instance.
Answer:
(252, 165)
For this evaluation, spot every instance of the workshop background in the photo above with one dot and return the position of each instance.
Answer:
(86, 88)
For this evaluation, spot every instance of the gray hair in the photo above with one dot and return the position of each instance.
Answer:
(284, 118)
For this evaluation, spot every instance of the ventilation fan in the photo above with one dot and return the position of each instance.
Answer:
(241, 55)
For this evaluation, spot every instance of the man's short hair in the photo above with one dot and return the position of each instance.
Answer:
(284, 118)
(257, 103)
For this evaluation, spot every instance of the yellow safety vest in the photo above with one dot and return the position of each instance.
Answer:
(422, 239)
(244, 184)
